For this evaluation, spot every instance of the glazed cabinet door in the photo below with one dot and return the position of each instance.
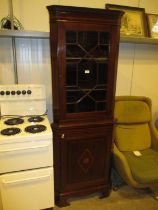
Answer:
(87, 73)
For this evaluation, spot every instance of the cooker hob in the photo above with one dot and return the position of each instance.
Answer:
(24, 126)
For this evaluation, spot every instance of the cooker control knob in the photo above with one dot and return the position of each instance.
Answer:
(29, 92)
(12, 92)
(2, 93)
(23, 92)
(7, 92)
(18, 92)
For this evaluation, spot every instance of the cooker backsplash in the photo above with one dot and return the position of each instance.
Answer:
(22, 99)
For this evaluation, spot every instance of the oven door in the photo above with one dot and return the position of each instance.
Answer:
(27, 190)
(16, 156)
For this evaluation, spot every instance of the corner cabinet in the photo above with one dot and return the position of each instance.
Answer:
(84, 54)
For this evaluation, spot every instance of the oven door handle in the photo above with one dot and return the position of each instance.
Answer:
(18, 181)
(24, 148)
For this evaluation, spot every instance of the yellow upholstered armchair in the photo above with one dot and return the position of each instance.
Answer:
(135, 149)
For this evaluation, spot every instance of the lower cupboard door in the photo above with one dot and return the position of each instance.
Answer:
(28, 190)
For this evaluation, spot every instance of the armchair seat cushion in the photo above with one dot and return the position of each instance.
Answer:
(144, 168)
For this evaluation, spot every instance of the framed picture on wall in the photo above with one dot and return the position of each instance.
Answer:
(152, 20)
(133, 22)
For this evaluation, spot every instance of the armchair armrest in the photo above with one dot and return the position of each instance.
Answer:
(154, 136)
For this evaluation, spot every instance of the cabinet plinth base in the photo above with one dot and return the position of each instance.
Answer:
(62, 199)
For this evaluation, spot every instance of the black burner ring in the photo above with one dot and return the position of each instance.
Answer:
(35, 128)
(10, 131)
(14, 121)
(36, 119)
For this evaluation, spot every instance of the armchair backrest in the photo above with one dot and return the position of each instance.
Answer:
(132, 115)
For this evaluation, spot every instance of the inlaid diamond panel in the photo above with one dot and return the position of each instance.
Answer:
(86, 160)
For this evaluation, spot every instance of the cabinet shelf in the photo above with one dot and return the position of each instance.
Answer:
(42, 34)
(23, 34)
(138, 40)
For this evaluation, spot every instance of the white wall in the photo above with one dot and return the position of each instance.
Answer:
(37, 11)
(33, 14)
(137, 65)
(4, 8)
(138, 72)
(6, 61)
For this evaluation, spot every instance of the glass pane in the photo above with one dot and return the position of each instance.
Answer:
(100, 52)
(74, 95)
(71, 37)
(74, 51)
(71, 75)
(104, 38)
(86, 105)
(98, 95)
(71, 108)
(87, 74)
(102, 73)
(88, 40)
(101, 106)
(86, 70)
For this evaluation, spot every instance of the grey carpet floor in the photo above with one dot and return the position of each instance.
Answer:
(126, 198)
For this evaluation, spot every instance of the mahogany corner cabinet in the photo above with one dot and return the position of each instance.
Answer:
(84, 54)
